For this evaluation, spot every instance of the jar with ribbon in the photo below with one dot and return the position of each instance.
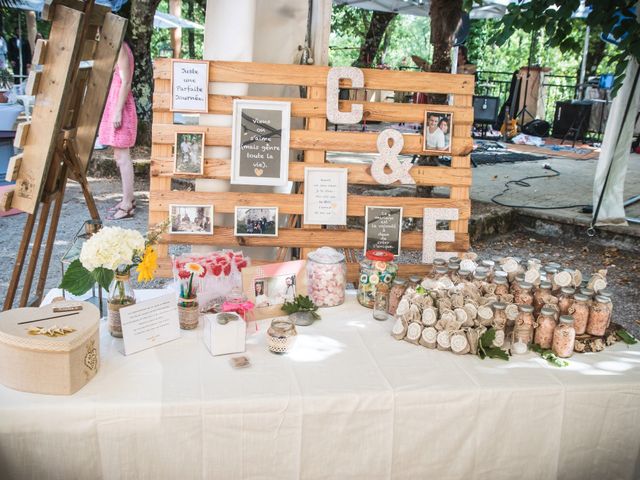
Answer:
(378, 266)
(188, 283)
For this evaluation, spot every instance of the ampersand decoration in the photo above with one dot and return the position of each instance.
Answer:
(389, 156)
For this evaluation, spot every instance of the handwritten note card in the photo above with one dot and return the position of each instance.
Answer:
(325, 196)
(189, 86)
(383, 227)
(260, 142)
(151, 323)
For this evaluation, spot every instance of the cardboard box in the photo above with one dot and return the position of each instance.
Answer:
(224, 333)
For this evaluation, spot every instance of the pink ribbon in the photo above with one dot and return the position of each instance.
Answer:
(240, 308)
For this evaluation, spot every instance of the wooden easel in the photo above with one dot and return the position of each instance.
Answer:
(70, 78)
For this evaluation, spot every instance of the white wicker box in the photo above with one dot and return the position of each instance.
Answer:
(43, 364)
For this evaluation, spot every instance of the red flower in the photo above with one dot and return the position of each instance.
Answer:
(184, 274)
(216, 270)
(220, 260)
(227, 269)
(230, 254)
(241, 264)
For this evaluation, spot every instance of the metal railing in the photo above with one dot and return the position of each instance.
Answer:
(556, 88)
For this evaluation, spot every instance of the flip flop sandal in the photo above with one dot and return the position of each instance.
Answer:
(114, 208)
(128, 214)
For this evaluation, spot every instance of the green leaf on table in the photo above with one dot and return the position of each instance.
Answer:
(103, 276)
(626, 337)
(301, 303)
(486, 348)
(77, 280)
(549, 356)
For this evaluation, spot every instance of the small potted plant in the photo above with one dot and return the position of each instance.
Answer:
(188, 279)
(302, 311)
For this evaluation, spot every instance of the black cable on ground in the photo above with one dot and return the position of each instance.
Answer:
(523, 183)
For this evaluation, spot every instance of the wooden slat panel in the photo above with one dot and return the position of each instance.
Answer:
(21, 134)
(311, 140)
(6, 196)
(48, 110)
(39, 53)
(13, 168)
(316, 76)
(225, 202)
(310, 238)
(317, 108)
(358, 173)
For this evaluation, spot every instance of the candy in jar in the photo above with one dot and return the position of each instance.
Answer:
(546, 326)
(599, 316)
(377, 267)
(579, 310)
(327, 277)
(564, 337)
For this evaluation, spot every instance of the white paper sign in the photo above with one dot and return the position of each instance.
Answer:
(150, 323)
(325, 196)
(189, 86)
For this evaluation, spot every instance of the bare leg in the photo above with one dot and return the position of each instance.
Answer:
(123, 159)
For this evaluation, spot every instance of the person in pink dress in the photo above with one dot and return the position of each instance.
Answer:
(118, 129)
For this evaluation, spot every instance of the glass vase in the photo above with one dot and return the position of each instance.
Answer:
(188, 313)
(120, 295)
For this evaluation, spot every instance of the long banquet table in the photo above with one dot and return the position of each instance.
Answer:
(348, 402)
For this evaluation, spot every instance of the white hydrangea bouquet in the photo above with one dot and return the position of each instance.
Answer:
(112, 251)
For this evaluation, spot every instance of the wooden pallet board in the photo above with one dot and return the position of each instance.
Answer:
(315, 140)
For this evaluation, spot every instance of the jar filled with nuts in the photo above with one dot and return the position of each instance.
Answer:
(564, 337)
(502, 285)
(599, 316)
(395, 294)
(525, 322)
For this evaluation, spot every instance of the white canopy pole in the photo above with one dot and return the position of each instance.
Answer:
(583, 65)
(614, 155)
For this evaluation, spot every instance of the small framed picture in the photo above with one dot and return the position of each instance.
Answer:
(269, 286)
(437, 132)
(188, 153)
(325, 196)
(191, 219)
(383, 229)
(260, 142)
(256, 222)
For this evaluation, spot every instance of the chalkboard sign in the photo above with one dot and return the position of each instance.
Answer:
(383, 228)
(189, 86)
(260, 143)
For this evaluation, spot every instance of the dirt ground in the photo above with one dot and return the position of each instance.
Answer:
(623, 267)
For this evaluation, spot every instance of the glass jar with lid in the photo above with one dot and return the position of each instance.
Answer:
(525, 323)
(589, 292)
(326, 277)
(564, 337)
(502, 285)
(599, 316)
(523, 295)
(454, 268)
(565, 300)
(499, 315)
(414, 281)
(377, 267)
(281, 335)
(543, 290)
(515, 284)
(381, 302)
(439, 262)
(441, 271)
(579, 310)
(395, 294)
(545, 326)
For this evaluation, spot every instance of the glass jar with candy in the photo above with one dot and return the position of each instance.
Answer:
(377, 267)
(327, 277)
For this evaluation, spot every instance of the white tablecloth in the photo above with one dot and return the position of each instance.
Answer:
(348, 402)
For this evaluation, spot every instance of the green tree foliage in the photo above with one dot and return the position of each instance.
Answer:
(554, 18)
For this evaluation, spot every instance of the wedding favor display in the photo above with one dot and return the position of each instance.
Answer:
(224, 333)
(377, 268)
(261, 135)
(327, 277)
(489, 308)
(53, 349)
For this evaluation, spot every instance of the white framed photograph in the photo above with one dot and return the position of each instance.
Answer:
(437, 130)
(189, 86)
(260, 142)
(188, 153)
(191, 219)
(256, 222)
(383, 229)
(325, 196)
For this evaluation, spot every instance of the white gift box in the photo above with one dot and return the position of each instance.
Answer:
(224, 333)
